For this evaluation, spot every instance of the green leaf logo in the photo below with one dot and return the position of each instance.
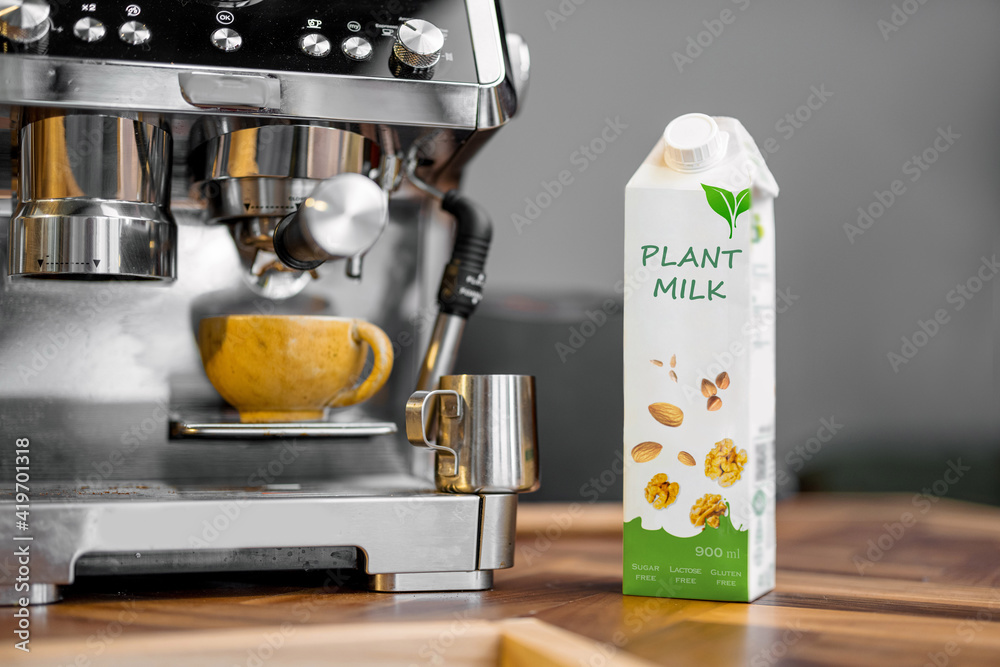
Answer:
(726, 204)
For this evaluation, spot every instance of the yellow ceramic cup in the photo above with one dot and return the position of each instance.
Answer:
(277, 368)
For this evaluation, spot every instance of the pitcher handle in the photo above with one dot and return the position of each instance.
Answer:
(416, 417)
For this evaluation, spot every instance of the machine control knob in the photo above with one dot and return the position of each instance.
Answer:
(227, 39)
(24, 21)
(418, 44)
(89, 30)
(314, 44)
(134, 33)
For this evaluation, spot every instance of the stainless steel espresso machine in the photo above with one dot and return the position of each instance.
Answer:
(163, 161)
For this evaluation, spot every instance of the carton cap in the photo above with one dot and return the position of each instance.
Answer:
(693, 142)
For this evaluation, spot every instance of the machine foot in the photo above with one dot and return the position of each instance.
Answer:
(36, 594)
(414, 582)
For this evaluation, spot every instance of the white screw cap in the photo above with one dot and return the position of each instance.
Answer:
(693, 142)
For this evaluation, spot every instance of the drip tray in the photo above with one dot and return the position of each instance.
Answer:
(227, 426)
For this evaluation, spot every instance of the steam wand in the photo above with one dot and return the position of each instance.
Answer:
(462, 283)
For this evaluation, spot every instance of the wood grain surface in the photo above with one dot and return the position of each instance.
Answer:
(862, 580)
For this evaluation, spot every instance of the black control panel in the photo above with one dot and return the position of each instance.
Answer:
(328, 37)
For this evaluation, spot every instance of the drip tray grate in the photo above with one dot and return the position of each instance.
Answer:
(228, 427)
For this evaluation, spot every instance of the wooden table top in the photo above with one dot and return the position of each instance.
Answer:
(855, 586)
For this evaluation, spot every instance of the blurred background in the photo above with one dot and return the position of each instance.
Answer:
(854, 96)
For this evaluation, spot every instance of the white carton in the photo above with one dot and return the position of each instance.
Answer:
(699, 366)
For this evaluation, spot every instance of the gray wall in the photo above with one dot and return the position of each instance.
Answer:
(890, 95)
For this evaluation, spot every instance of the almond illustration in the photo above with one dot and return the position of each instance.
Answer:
(708, 389)
(714, 403)
(673, 361)
(667, 414)
(673, 376)
(646, 451)
(685, 458)
(722, 380)
(656, 362)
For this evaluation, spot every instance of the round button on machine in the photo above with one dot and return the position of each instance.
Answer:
(89, 30)
(134, 33)
(357, 48)
(314, 44)
(227, 39)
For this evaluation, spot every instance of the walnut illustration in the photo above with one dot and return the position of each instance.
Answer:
(725, 463)
(660, 492)
(707, 510)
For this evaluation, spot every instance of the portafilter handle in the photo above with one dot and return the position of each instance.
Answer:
(343, 218)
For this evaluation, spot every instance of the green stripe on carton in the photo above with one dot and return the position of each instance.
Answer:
(727, 544)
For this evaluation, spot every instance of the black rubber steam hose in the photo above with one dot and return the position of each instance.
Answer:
(465, 275)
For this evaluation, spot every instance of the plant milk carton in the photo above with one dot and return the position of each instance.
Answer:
(699, 366)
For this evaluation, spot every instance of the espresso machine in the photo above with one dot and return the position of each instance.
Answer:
(163, 161)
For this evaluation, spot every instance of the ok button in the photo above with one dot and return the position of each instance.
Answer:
(225, 18)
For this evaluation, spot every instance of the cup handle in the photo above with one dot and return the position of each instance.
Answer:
(416, 418)
(382, 349)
